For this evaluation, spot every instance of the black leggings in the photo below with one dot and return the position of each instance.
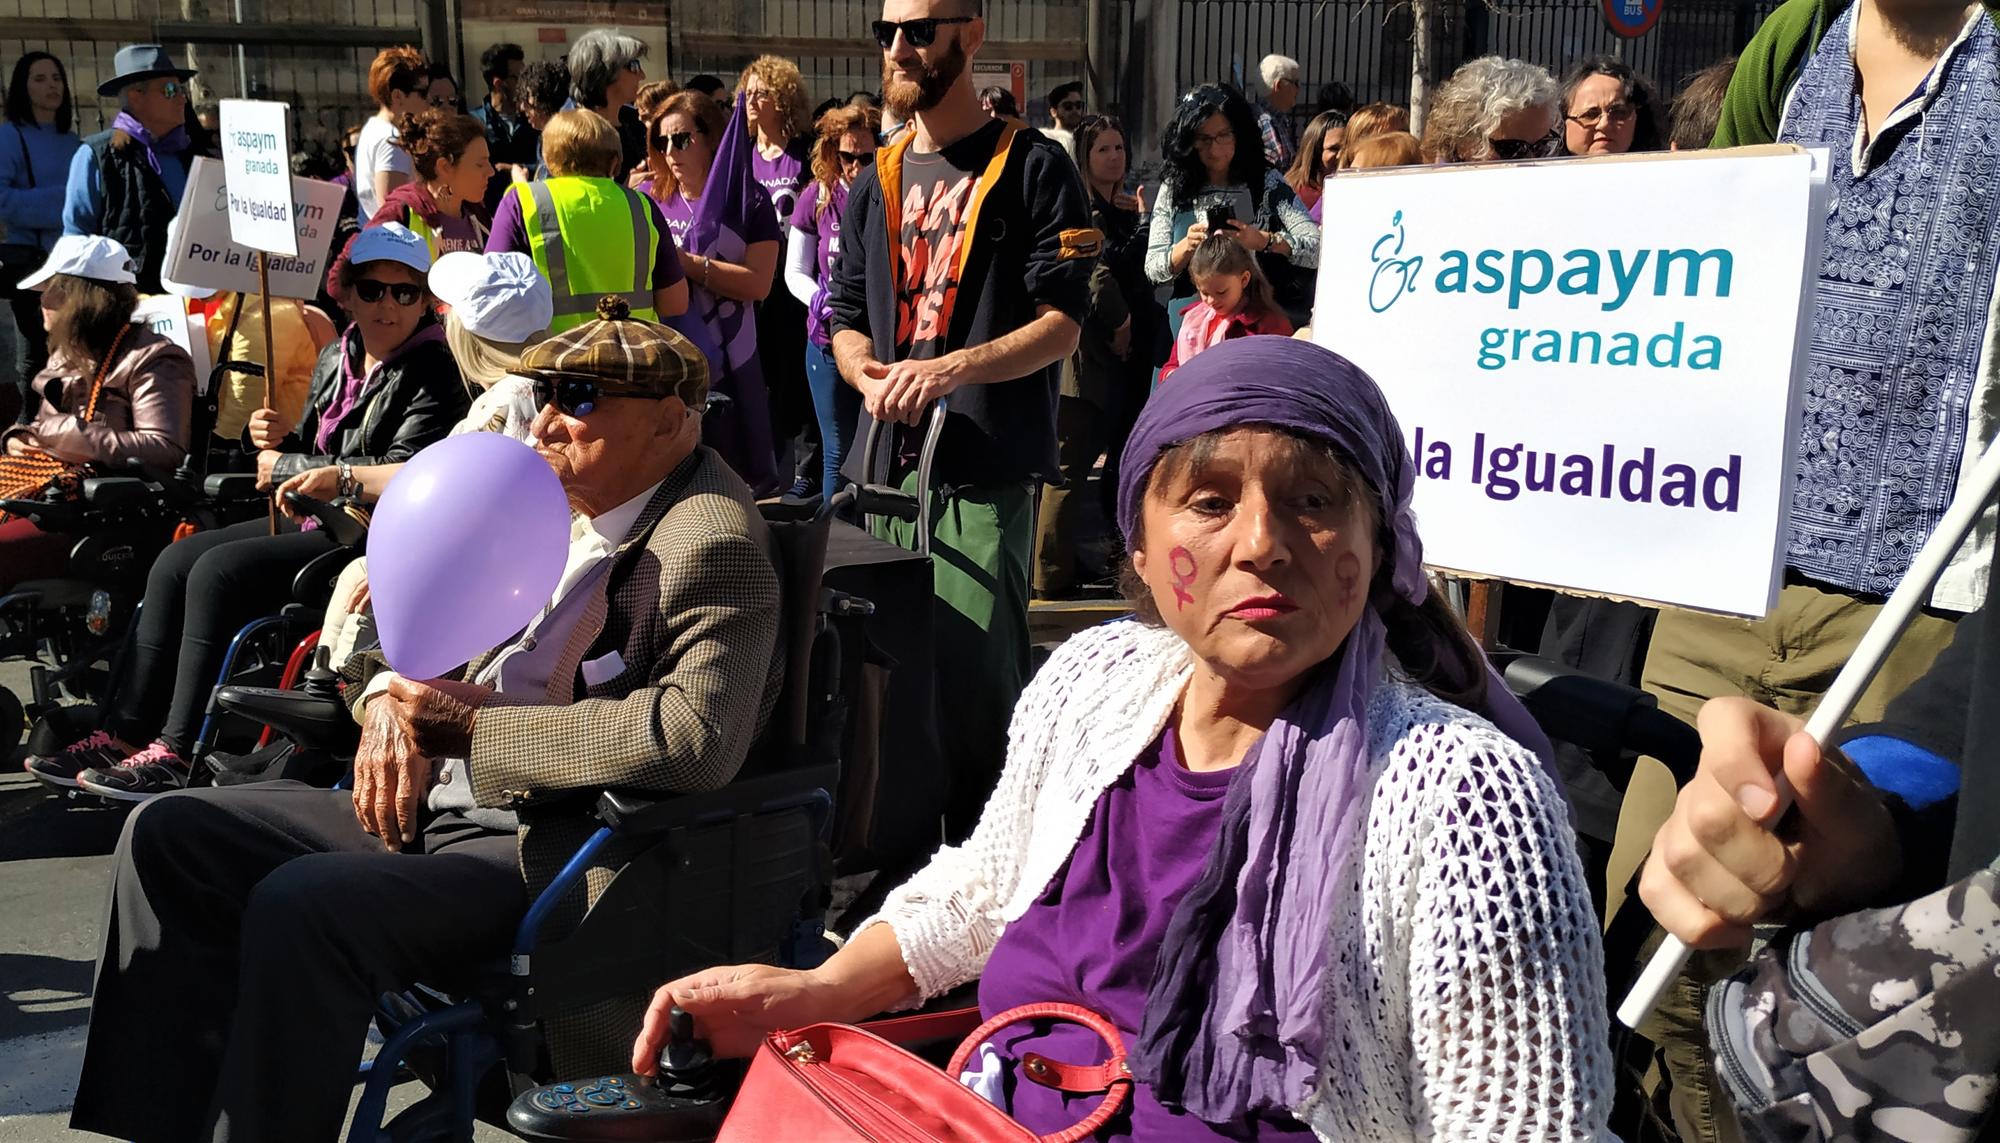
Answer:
(29, 357)
(200, 592)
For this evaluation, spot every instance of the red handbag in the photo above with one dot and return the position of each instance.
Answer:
(834, 1083)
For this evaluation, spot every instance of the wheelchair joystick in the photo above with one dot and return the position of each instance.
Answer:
(687, 1068)
(683, 1103)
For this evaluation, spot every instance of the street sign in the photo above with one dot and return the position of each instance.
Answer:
(1632, 18)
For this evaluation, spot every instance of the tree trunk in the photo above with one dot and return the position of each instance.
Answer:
(1422, 15)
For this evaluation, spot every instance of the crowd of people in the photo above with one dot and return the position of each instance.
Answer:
(1286, 830)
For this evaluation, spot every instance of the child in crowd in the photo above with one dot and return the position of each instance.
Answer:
(1236, 301)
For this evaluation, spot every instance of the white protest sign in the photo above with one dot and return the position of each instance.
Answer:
(168, 316)
(257, 174)
(1596, 363)
(204, 254)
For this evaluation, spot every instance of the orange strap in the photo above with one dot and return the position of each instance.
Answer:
(889, 173)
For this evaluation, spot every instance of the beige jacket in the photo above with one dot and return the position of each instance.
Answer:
(144, 412)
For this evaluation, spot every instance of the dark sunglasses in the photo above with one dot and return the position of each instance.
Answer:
(916, 33)
(576, 396)
(678, 141)
(1546, 147)
(370, 291)
(858, 158)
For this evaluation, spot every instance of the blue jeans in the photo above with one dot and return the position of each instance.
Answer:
(837, 406)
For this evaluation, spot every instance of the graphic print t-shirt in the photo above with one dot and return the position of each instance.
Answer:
(937, 205)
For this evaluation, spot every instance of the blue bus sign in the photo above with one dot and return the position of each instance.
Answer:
(1631, 18)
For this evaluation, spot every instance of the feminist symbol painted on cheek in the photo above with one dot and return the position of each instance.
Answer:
(1180, 564)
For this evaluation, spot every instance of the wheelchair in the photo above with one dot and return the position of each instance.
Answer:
(73, 627)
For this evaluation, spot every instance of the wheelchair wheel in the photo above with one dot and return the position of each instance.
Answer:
(13, 722)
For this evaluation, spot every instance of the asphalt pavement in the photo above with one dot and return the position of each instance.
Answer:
(54, 864)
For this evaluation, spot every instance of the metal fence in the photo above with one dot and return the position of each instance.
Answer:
(313, 54)
(1358, 51)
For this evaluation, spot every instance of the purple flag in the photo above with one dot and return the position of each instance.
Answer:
(721, 219)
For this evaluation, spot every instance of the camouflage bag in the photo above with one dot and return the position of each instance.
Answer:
(1879, 1025)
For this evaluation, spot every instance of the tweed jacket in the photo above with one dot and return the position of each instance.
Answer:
(691, 606)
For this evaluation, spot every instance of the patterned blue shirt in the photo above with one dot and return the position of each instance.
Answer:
(1905, 289)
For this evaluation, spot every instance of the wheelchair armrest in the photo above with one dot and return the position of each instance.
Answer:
(231, 486)
(1601, 716)
(633, 814)
(116, 491)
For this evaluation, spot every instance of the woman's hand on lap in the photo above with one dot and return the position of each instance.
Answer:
(321, 483)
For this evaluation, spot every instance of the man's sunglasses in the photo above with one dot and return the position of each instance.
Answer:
(1546, 147)
(678, 141)
(916, 33)
(575, 396)
(172, 89)
(370, 291)
(858, 158)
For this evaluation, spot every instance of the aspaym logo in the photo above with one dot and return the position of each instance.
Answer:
(1394, 274)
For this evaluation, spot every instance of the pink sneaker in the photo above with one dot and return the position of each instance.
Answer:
(151, 772)
(60, 770)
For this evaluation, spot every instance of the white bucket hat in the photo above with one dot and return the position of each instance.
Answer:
(499, 297)
(86, 256)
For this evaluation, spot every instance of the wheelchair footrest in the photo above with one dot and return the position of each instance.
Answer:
(609, 1108)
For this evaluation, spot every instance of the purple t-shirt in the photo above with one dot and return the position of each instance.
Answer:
(1093, 939)
(510, 234)
(823, 229)
(678, 210)
(781, 177)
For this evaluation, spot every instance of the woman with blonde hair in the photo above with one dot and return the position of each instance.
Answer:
(777, 109)
(1495, 109)
(594, 250)
(845, 148)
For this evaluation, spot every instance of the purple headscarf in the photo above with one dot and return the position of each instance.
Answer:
(1235, 1020)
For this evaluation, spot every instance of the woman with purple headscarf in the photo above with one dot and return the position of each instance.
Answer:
(1286, 831)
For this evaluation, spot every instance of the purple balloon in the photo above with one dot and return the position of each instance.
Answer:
(466, 546)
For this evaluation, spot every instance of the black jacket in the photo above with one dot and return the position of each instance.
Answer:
(1953, 711)
(1034, 245)
(137, 207)
(413, 400)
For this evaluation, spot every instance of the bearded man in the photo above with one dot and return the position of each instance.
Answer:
(964, 273)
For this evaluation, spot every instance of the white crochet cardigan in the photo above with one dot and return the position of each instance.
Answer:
(1465, 984)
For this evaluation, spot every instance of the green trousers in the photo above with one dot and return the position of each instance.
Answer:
(981, 542)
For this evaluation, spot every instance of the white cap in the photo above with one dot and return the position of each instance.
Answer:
(390, 242)
(499, 297)
(86, 256)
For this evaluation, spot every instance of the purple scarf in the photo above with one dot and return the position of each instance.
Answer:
(1235, 1020)
(173, 143)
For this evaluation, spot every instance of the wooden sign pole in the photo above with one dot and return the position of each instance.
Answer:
(270, 362)
(1482, 611)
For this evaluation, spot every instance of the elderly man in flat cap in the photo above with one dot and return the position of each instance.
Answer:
(252, 927)
(125, 182)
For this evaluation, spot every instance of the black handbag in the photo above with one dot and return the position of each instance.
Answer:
(20, 259)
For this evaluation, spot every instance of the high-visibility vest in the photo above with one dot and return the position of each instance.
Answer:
(422, 230)
(590, 237)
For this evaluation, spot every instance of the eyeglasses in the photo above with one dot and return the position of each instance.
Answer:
(916, 33)
(760, 95)
(1215, 140)
(172, 89)
(677, 141)
(636, 67)
(577, 396)
(370, 290)
(444, 101)
(1616, 113)
(1070, 105)
(1508, 150)
(857, 158)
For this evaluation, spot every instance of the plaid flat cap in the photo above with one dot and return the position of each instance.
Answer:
(625, 356)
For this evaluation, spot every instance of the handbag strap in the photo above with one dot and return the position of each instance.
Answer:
(1113, 1077)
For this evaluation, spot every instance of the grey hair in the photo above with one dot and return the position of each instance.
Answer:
(1275, 69)
(595, 61)
(1469, 106)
